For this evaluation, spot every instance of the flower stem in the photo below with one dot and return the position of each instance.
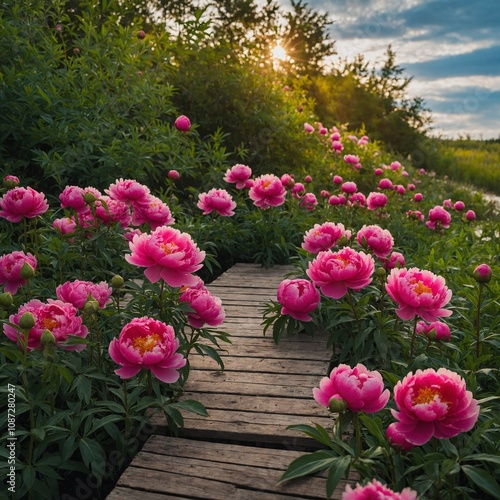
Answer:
(351, 303)
(478, 339)
(413, 335)
(357, 432)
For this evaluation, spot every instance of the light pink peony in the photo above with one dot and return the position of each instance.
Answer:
(420, 293)
(22, 202)
(298, 298)
(267, 191)
(57, 316)
(150, 344)
(65, 225)
(10, 269)
(72, 197)
(218, 200)
(376, 491)
(438, 217)
(376, 239)
(308, 128)
(335, 272)
(324, 236)
(240, 175)
(437, 330)
(207, 307)
(77, 292)
(110, 211)
(128, 191)
(168, 254)
(433, 404)
(359, 388)
(376, 200)
(153, 211)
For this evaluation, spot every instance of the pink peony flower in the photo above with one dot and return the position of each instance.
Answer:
(77, 293)
(353, 159)
(395, 259)
(376, 200)
(376, 491)
(22, 202)
(420, 293)
(127, 191)
(168, 254)
(447, 203)
(335, 272)
(151, 210)
(359, 388)
(216, 199)
(287, 180)
(308, 128)
(438, 217)
(470, 215)
(65, 225)
(459, 206)
(363, 140)
(415, 214)
(411, 187)
(10, 269)
(396, 439)
(239, 174)
(337, 179)
(298, 298)
(349, 187)
(357, 200)
(482, 273)
(378, 171)
(324, 236)
(418, 197)
(324, 194)
(207, 307)
(309, 201)
(437, 330)
(337, 200)
(308, 179)
(267, 191)
(72, 197)
(182, 123)
(395, 165)
(110, 211)
(57, 316)
(337, 146)
(385, 184)
(298, 190)
(433, 404)
(378, 240)
(150, 344)
(335, 136)
(400, 189)
(10, 181)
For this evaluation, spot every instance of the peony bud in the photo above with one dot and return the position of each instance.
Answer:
(10, 181)
(182, 123)
(27, 321)
(173, 175)
(141, 35)
(91, 306)
(117, 281)
(6, 299)
(381, 272)
(337, 405)
(343, 241)
(47, 338)
(89, 198)
(27, 272)
(482, 273)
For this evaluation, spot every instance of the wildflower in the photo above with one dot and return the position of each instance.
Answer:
(149, 344)
(22, 202)
(324, 237)
(298, 298)
(218, 200)
(11, 265)
(419, 293)
(378, 240)
(376, 491)
(168, 254)
(335, 273)
(57, 316)
(359, 388)
(239, 174)
(267, 191)
(433, 404)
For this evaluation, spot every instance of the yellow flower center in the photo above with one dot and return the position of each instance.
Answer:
(341, 261)
(147, 343)
(266, 183)
(426, 395)
(49, 323)
(420, 288)
(169, 248)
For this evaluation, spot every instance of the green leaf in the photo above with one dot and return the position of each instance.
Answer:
(65, 373)
(484, 456)
(105, 421)
(482, 479)
(192, 406)
(335, 474)
(93, 456)
(309, 464)
(374, 426)
(318, 433)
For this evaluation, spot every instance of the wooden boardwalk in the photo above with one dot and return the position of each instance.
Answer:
(241, 450)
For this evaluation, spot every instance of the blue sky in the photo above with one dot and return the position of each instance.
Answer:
(451, 48)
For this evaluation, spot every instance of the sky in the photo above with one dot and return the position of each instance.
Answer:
(451, 48)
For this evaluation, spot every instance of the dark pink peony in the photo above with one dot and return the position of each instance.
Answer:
(433, 404)
(324, 236)
(77, 292)
(378, 240)
(146, 343)
(127, 191)
(218, 200)
(22, 202)
(335, 273)
(240, 175)
(376, 491)
(207, 308)
(298, 298)
(10, 269)
(267, 191)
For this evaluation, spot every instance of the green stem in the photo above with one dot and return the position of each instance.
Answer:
(354, 311)
(162, 285)
(127, 419)
(413, 335)
(478, 339)
(357, 432)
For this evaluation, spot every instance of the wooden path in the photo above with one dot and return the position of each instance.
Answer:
(241, 450)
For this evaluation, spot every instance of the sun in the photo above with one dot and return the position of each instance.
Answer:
(279, 53)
